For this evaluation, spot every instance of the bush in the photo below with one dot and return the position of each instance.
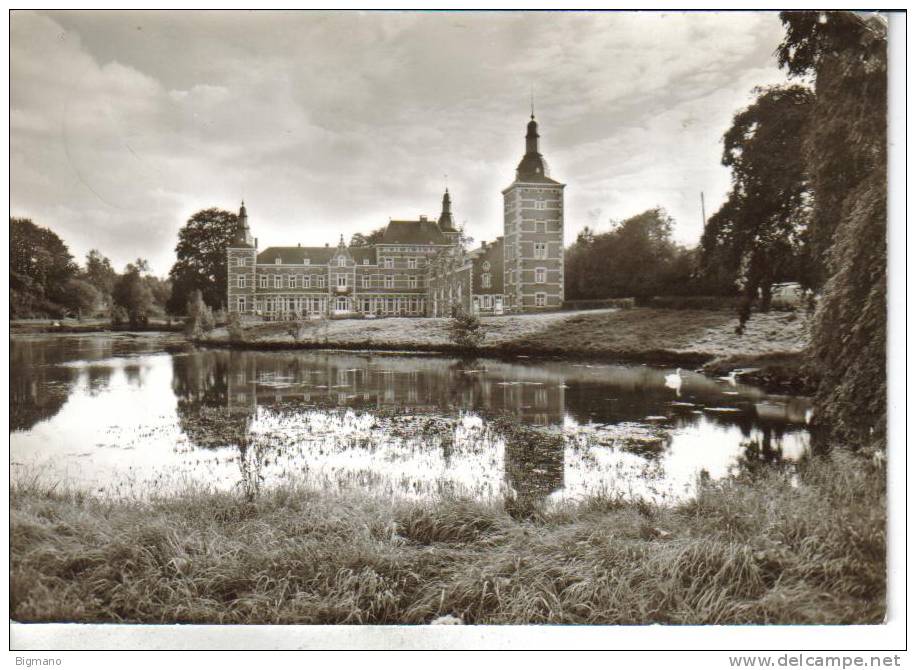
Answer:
(236, 331)
(465, 329)
(708, 302)
(618, 303)
(200, 318)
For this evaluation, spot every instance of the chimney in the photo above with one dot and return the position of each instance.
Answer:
(423, 217)
(483, 245)
(325, 245)
(298, 244)
(256, 243)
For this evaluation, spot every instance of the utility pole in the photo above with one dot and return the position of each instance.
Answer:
(703, 209)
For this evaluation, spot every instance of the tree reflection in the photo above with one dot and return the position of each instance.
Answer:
(39, 387)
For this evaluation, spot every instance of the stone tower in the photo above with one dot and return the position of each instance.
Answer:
(241, 257)
(533, 232)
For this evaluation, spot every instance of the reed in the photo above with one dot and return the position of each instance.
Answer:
(779, 548)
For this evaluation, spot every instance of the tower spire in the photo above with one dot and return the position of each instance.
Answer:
(532, 102)
(446, 224)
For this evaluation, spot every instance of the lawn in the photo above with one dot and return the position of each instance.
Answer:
(642, 333)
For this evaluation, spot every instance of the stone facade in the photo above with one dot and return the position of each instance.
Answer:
(418, 267)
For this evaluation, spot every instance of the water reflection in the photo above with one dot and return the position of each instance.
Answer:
(119, 415)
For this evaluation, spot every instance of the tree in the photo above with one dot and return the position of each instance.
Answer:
(360, 240)
(201, 259)
(40, 267)
(82, 296)
(636, 258)
(100, 273)
(759, 232)
(846, 154)
(132, 296)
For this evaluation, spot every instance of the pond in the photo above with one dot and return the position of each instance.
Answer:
(134, 415)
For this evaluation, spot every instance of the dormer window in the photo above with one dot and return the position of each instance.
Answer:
(305, 261)
(277, 261)
(365, 261)
(486, 266)
(341, 261)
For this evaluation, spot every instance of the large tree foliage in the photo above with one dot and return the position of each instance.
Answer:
(758, 234)
(132, 298)
(636, 258)
(201, 259)
(846, 153)
(100, 273)
(40, 268)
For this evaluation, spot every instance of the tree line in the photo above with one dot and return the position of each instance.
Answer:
(47, 282)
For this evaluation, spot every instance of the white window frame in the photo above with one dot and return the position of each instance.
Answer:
(540, 300)
(365, 281)
(388, 263)
(278, 261)
(411, 263)
(263, 281)
(341, 281)
(412, 282)
(306, 281)
(240, 261)
(540, 250)
(389, 281)
(321, 281)
(242, 281)
(540, 275)
(278, 281)
(306, 261)
(290, 281)
(240, 303)
(341, 262)
(485, 280)
(365, 261)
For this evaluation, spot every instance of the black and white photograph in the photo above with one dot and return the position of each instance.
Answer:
(545, 322)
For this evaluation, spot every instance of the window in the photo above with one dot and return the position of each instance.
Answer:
(540, 250)
(243, 281)
(389, 281)
(540, 227)
(278, 281)
(306, 261)
(485, 280)
(341, 261)
(388, 262)
(240, 261)
(540, 275)
(365, 261)
(540, 204)
(411, 263)
(241, 303)
(412, 282)
(366, 283)
(321, 281)
(486, 266)
(341, 281)
(290, 281)
(306, 281)
(277, 261)
(262, 281)
(540, 299)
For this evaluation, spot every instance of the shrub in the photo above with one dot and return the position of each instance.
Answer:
(465, 329)
(200, 318)
(234, 326)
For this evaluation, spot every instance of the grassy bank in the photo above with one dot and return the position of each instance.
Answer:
(761, 551)
(643, 334)
(39, 326)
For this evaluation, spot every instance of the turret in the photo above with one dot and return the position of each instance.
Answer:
(446, 225)
(242, 232)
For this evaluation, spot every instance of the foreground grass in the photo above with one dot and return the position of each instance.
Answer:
(693, 336)
(743, 552)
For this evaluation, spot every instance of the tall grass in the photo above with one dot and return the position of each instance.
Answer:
(808, 548)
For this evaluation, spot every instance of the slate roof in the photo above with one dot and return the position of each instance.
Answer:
(413, 232)
(361, 253)
(296, 255)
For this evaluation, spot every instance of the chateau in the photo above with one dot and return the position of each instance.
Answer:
(417, 268)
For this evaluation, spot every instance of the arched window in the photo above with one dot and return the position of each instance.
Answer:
(486, 266)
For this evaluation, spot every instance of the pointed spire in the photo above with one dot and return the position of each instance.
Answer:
(445, 218)
(532, 102)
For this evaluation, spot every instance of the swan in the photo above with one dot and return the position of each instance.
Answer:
(674, 381)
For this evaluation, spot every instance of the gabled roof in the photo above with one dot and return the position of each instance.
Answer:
(296, 255)
(413, 232)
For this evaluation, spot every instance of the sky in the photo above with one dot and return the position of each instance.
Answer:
(123, 124)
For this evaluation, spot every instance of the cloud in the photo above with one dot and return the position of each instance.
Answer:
(125, 123)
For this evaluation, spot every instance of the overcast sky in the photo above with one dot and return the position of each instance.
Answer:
(123, 124)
